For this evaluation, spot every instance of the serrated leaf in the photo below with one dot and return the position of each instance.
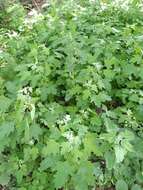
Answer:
(84, 176)
(121, 185)
(65, 147)
(120, 153)
(136, 187)
(4, 179)
(5, 129)
(4, 103)
(129, 69)
(91, 144)
(34, 153)
(35, 131)
(51, 148)
(63, 170)
(48, 163)
(110, 125)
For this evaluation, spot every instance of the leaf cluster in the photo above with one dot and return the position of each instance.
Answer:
(71, 96)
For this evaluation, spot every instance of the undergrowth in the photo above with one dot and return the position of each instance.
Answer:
(71, 96)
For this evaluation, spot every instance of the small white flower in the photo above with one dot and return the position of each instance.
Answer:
(31, 142)
(34, 66)
(129, 112)
(84, 113)
(51, 109)
(33, 12)
(12, 34)
(26, 90)
(67, 118)
(33, 17)
(69, 136)
(60, 122)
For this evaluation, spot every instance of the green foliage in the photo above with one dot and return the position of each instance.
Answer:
(121, 184)
(71, 96)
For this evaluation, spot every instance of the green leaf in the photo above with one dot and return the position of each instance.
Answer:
(136, 187)
(91, 144)
(4, 104)
(120, 153)
(128, 135)
(48, 162)
(5, 129)
(32, 111)
(51, 148)
(110, 125)
(110, 137)
(96, 120)
(34, 153)
(65, 147)
(110, 160)
(27, 131)
(84, 176)
(4, 179)
(71, 95)
(100, 98)
(129, 69)
(139, 112)
(35, 131)
(63, 170)
(121, 185)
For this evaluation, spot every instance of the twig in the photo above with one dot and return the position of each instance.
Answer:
(35, 3)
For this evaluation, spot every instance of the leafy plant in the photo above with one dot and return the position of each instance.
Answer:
(71, 96)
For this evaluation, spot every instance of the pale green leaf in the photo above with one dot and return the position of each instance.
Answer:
(5, 129)
(110, 160)
(120, 153)
(136, 187)
(27, 131)
(63, 170)
(4, 179)
(121, 185)
(51, 148)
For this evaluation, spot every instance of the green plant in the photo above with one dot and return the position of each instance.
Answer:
(71, 97)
